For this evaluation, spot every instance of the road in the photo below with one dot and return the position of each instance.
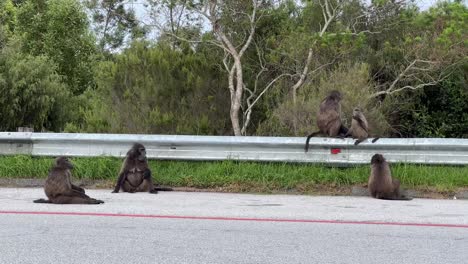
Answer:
(178, 227)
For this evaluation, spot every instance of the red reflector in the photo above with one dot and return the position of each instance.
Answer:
(335, 151)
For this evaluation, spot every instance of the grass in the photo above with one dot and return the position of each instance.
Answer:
(244, 176)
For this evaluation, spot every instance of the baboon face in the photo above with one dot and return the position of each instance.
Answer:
(377, 158)
(63, 162)
(142, 152)
(138, 151)
(335, 95)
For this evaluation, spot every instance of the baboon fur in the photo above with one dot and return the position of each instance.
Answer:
(329, 118)
(359, 129)
(381, 184)
(59, 189)
(135, 175)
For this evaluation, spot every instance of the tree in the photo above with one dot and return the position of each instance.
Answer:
(155, 89)
(32, 92)
(114, 21)
(233, 26)
(59, 30)
(7, 20)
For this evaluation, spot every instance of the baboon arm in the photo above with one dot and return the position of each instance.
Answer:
(348, 133)
(120, 181)
(361, 123)
(147, 174)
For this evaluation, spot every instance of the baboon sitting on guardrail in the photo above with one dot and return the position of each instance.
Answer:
(359, 127)
(329, 118)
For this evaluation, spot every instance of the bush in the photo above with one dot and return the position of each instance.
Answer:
(32, 92)
(352, 80)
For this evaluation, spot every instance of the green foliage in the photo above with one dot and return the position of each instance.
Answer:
(32, 92)
(154, 89)
(113, 22)
(131, 82)
(439, 111)
(7, 20)
(59, 30)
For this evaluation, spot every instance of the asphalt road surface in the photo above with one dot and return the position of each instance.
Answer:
(177, 227)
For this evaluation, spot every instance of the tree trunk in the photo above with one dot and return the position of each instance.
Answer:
(236, 97)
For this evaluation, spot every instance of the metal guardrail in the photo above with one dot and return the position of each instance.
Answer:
(280, 149)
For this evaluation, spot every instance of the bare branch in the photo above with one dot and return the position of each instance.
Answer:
(268, 86)
(412, 72)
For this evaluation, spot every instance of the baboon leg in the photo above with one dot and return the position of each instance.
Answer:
(148, 181)
(42, 201)
(375, 139)
(127, 187)
(75, 193)
(347, 134)
(62, 199)
(308, 139)
(344, 131)
(79, 189)
(147, 186)
(359, 141)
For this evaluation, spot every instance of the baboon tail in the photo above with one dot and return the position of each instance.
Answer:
(42, 201)
(398, 198)
(161, 188)
(404, 198)
(308, 139)
(375, 139)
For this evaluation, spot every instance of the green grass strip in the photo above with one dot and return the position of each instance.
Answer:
(242, 176)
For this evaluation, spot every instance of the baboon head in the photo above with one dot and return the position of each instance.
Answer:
(335, 95)
(377, 159)
(357, 111)
(64, 163)
(137, 151)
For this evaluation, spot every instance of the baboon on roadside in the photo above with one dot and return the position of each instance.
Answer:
(359, 127)
(59, 189)
(329, 118)
(135, 175)
(381, 184)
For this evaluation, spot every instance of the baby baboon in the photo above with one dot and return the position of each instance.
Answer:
(60, 190)
(359, 127)
(381, 184)
(329, 118)
(135, 175)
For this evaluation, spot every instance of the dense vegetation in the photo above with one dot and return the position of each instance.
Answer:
(232, 67)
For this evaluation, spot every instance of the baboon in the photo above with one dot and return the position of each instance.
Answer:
(135, 175)
(381, 184)
(59, 189)
(329, 118)
(359, 129)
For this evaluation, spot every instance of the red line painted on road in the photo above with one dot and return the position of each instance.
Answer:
(238, 219)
